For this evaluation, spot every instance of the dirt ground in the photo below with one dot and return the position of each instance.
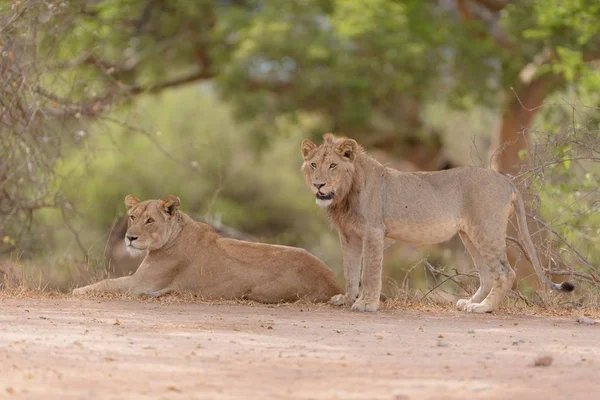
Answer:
(125, 348)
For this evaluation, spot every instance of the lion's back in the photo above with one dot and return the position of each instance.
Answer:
(294, 269)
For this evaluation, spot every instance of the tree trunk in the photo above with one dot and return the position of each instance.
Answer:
(513, 138)
(513, 135)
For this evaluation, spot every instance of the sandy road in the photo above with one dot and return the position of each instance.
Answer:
(119, 349)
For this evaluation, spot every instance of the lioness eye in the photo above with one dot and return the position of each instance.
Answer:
(314, 165)
(333, 165)
(131, 217)
(149, 221)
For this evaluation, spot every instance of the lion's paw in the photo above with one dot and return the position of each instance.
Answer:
(478, 308)
(78, 291)
(342, 299)
(362, 305)
(462, 304)
(338, 300)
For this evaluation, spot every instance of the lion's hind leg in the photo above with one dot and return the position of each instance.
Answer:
(485, 278)
(501, 273)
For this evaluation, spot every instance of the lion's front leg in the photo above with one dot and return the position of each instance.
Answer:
(371, 272)
(352, 259)
(152, 278)
(118, 285)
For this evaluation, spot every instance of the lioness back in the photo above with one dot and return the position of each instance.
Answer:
(282, 272)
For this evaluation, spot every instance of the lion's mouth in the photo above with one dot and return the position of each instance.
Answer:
(135, 245)
(322, 196)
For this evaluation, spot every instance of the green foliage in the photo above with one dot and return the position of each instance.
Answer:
(565, 21)
(568, 189)
(351, 63)
(364, 67)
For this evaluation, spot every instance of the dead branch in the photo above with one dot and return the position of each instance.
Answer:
(564, 241)
(449, 278)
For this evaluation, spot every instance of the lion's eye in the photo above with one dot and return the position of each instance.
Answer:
(314, 165)
(131, 217)
(333, 165)
(149, 221)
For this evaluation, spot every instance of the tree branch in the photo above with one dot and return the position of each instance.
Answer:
(199, 76)
(493, 5)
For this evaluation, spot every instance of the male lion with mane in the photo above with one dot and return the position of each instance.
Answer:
(189, 256)
(367, 202)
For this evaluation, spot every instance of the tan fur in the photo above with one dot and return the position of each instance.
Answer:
(189, 256)
(367, 202)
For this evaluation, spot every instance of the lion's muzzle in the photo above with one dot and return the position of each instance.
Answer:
(324, 200)
(322, 196)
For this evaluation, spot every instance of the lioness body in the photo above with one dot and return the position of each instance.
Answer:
(367, 202)
(189, 256)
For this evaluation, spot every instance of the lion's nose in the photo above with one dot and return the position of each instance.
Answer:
(131, 238)
(318, 185)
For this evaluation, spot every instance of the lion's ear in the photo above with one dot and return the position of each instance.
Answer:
(307, 147)
(131, 201)
(347, 148)
(170, 204)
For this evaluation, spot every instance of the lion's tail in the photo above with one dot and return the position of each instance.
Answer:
(529, 247)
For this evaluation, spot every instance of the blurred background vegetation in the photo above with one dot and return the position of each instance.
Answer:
(209, 100)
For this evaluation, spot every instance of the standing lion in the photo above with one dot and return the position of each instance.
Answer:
(367, 202)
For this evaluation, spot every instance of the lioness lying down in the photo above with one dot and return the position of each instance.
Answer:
(367, 202)
(185, 255)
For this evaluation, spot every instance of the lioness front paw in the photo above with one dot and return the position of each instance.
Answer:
(363, 305)
(78, 291)
(479, 308)
(341, 299)
(462, 304)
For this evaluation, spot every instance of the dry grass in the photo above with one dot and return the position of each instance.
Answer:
(18, 282)
(509, 307)
(58, 276)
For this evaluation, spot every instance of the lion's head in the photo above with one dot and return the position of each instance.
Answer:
(151, 223)
(329, 168)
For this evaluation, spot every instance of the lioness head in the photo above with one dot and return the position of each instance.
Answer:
(150, 223)
(329, 168)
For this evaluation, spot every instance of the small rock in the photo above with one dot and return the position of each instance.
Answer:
(471, 331)
(586, 321)
(442, 343)
(542, 361)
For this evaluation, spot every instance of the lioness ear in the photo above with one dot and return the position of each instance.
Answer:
(131, 201)
(347, 148)
(307, 147)
(170, 204)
